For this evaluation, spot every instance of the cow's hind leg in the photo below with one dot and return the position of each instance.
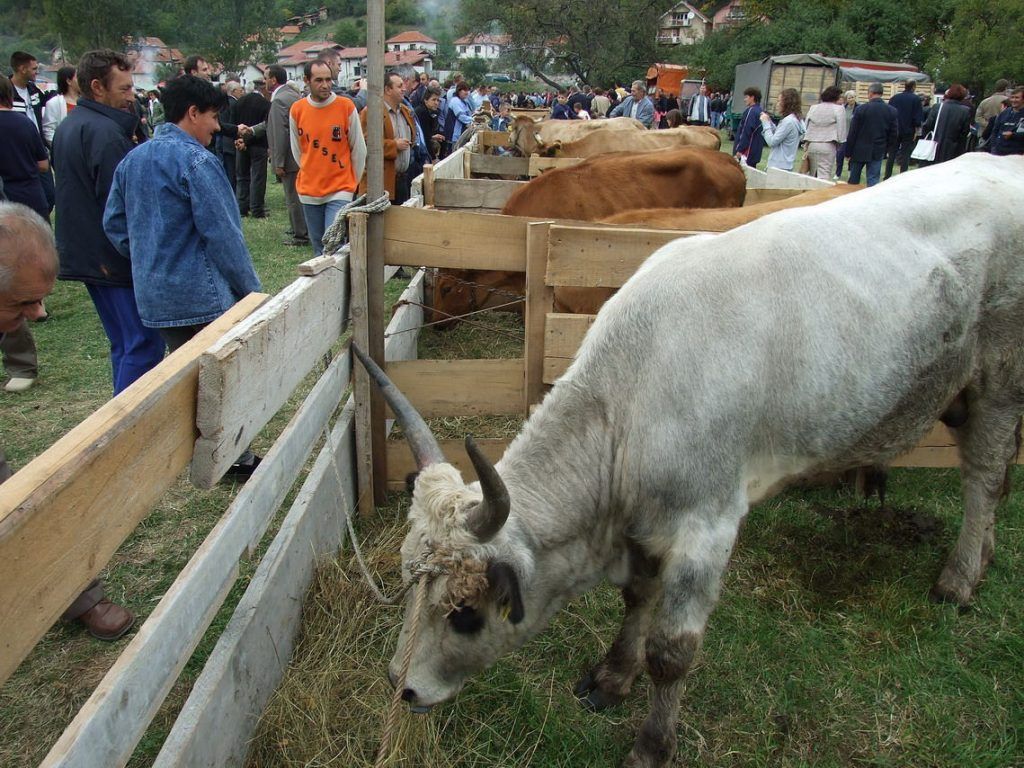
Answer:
(691, 581)
(610, 681)
(988, 442)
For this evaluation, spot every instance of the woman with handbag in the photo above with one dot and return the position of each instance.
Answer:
(948, 124)
(826, 130)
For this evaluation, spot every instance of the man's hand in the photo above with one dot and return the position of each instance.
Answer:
(244, 130)
(279, 172)
(402, 144)
(438, 137)
(240, 144)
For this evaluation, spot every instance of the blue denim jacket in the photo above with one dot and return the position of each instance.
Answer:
(172, 211)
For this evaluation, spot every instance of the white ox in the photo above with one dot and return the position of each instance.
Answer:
(751, 358)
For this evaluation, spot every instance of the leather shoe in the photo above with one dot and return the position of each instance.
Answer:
(107, 620)
(19, 384)
(243, 471)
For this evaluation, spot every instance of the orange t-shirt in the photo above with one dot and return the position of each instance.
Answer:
(327, 142)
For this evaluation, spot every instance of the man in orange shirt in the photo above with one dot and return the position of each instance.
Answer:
(399, 135)
(327, 142)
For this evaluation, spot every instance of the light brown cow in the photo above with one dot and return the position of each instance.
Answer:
(580, 140)
(604, 185)
(527, 137)
(723, 219)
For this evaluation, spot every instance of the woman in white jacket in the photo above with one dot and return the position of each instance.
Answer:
(826, 132)
(784, 138)
(57, 108)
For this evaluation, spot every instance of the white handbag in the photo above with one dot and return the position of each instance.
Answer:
(926, 146)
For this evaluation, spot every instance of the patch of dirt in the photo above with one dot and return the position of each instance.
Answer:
(861, 547)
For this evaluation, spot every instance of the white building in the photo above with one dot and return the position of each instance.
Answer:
(481, 46)
(413, 40)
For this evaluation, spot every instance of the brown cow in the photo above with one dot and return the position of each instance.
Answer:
(605, 185)
(589, 143)
(723, 219)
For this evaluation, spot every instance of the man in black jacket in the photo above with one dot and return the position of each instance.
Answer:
(872, 132)
(87, 147)
(251, 158)
(909, 117)
(30, 100)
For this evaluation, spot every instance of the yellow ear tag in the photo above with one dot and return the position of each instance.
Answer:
(504, 611)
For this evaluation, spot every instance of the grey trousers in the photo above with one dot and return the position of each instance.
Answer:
(19, 353)
(251, 180)
(295, 215)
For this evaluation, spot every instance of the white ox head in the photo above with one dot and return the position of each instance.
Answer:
(474, 609)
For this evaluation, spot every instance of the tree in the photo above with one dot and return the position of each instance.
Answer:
(85, 25)
(348, 33)
(977, 49)
(597, 41)
(474, 70)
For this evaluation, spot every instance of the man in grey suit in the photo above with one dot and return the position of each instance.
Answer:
(283, 95)
(636, 105)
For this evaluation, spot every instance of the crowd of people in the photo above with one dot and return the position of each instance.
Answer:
(837, 129)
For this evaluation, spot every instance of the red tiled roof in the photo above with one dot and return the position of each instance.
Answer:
(353, 53)
(319, 45)
(483, 40)
(394, 58)
(411, 36)
(291, 29)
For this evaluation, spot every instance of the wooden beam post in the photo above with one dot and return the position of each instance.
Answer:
(375, 235)
(540, 300)
(428, 185)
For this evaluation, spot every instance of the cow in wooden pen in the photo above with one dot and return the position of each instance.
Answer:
(723, 219)
(752, 358)
(526, 138)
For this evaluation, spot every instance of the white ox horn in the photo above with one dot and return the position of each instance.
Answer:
(487, 518)
(424, 445)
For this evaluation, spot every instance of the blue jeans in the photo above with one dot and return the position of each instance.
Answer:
(874, 171)
(134, 348)
(319, 218)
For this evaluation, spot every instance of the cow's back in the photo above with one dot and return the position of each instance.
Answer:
(599, 143)
(822, 337)
(604, 185)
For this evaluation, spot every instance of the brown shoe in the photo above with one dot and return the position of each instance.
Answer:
(107, 620)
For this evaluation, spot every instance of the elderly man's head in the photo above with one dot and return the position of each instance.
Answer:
(28, 264)
(638, 90)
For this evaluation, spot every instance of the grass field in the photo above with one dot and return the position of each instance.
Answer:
(823, 652)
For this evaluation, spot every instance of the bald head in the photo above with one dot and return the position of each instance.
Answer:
(28, 264)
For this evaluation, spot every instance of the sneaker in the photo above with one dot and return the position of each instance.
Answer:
(19, 384)
(243, 471)
(107, 621)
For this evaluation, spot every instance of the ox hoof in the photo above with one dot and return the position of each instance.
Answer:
(593, 697)
(952, 589)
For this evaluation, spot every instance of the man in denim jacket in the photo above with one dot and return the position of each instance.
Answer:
(172, 211)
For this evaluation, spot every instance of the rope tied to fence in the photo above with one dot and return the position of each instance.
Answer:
(337, 234)
(424, 569)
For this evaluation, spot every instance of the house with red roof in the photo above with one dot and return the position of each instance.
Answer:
(412, 40)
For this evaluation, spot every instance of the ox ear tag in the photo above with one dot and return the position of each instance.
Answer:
(504, 589)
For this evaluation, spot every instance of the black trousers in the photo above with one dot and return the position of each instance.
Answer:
(251, 180)
(904, 146)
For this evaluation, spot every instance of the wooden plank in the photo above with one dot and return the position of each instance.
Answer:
(453, 166)
(929, 456)
(360, 379)
(474, 194)
(461, 387)
(220, 716)
(563, 333)
(539, 165)
(428, 184)
(107, 728)
(767, 195)
(401, 462)
(317, 265)
(489, 139)
(454, 239)
(504, 165)
(555, 368)
(247, 376)
(594, 257)
(402, 333)
(64, 515)
(780, 179)
(755, 179)
(540, 300)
